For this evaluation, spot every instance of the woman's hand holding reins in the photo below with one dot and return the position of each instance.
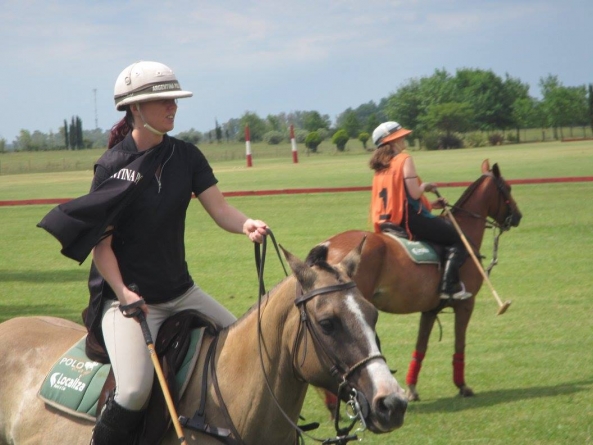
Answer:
(440, 203)
(428, 187)
(255, 230)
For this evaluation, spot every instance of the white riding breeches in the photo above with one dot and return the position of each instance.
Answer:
(129, 356)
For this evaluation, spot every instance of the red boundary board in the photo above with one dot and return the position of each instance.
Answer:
(20, 202)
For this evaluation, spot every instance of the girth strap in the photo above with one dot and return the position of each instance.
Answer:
(198, 420)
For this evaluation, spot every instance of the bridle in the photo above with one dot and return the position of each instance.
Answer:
(357, 403)
(338, 369)
(504, 198)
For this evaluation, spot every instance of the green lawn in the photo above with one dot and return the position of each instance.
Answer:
(531, 368)
(326, 169)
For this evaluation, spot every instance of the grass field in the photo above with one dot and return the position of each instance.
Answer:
(531, 368)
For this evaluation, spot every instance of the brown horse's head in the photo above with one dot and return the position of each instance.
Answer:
(337, 346)
(503, 208)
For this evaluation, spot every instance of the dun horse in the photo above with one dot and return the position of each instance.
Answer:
(306, 321)
(389, 279)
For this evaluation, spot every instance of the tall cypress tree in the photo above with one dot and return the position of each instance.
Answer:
(66, 135)
(79, 138)
(591, 105)
(218, 130)
(72, 135)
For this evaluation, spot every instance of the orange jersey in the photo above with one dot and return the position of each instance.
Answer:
(389, 199)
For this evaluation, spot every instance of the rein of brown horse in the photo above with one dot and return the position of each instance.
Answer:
(357, 405)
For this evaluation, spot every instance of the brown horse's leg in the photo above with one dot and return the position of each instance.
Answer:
(463, 313)
(427, 320)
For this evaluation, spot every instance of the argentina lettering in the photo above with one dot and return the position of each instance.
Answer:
(126, 174)
(166, 86)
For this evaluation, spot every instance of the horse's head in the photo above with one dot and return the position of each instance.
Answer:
(340, 324)
(503, 209)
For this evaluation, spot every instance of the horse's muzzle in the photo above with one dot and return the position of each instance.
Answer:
(516, 218)
(387, 413)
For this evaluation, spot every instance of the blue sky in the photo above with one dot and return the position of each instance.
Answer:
(271, 56)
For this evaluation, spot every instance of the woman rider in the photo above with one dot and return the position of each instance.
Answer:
(398, 198)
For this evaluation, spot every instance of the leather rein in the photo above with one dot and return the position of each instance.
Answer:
(357, 403)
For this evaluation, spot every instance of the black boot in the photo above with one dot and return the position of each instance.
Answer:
(116, 425)
(451, 287)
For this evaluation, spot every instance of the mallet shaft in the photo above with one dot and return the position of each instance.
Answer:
(159, 372)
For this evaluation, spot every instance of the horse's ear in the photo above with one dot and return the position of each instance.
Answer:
(496, 171)
(303, 273)
(485, 166)
(352, 260)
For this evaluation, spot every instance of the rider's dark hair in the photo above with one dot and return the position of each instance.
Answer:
(120, 130)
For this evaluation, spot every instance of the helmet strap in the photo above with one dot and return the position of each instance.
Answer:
(147, 125)
(153, 130)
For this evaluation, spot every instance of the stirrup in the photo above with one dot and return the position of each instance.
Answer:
(459, 295)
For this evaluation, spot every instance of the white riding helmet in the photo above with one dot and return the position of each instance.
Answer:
(143, 81)
(387, 132)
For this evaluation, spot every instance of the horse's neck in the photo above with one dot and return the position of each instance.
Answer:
(474, 211)
(240, 372)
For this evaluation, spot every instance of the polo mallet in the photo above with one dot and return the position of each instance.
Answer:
(502, 307)
(159, 372)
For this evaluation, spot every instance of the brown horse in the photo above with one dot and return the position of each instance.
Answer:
(305, 321)
(393, 283)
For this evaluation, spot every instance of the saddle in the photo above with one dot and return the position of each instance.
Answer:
(420, 252)
(389, 227)
(172, 346)
(80, 386)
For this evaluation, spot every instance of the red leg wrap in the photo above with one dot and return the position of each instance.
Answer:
(414, 369)
(458, 369)
(330, 400)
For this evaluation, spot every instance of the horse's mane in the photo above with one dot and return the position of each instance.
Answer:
(470, 190)
(318, 257)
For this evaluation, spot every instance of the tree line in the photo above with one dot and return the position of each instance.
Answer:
(444, 110)
(70, 136)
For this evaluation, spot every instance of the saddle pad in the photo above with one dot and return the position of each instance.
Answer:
(189, 362)
(74, 383)
(418, 251)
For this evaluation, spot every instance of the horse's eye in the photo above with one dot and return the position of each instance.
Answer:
(328, 326)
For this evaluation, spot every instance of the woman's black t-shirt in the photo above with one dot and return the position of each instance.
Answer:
(148, 237)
